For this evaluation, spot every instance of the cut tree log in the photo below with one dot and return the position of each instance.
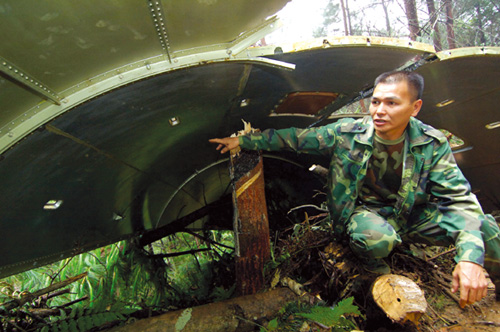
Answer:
(239, 314)
(399, 297)
(251, 222)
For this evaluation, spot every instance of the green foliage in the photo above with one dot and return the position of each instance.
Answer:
(273, 325)
(477, 23)
(123, 279)
(295, 314)
(334, 316)
(331, 16)
(83, 320)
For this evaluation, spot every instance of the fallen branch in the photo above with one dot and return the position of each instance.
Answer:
(27, 297)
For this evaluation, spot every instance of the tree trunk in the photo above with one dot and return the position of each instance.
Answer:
(433, 20)
(411, 15)
(238, 314)
(387, 19)
(344, 15)
(449, 24)
(479, 19)
(348, 13)
(251, 225)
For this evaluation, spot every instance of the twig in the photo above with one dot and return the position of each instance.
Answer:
(442, 254)
(443, 319)
(86, 297)
(59, 292)
(181, 253)
(486, 323)
(307, 206)
(452, 295)
(210, 241)
(45, 312)
(446, 287)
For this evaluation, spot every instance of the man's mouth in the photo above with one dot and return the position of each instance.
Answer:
(379, 122)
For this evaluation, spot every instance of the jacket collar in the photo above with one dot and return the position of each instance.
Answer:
(418, 132)
(421, 133)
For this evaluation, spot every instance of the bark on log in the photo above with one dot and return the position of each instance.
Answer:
(251, 225)
(239, 314)
(399, 297)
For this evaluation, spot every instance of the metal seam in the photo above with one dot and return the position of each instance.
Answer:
(157, 15)
(28, 82)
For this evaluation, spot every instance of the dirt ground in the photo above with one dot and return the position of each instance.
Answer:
(484, 316)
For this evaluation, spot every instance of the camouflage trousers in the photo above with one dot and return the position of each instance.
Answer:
(373, 234)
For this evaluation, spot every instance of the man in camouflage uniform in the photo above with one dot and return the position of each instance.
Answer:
(393, 178)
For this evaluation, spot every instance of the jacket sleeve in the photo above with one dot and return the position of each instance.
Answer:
(461, 213)
(314, 140)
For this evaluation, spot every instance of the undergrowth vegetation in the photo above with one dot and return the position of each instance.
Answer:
(123, 282)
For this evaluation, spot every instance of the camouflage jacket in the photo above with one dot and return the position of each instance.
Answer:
(430, 175)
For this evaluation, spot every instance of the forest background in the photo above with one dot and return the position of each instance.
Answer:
(446, 24)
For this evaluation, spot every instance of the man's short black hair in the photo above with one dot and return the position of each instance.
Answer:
(415, 81)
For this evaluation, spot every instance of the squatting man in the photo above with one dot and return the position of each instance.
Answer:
(393, 178)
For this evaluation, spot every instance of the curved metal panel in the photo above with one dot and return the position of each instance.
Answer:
(128, 161)
(466, 82)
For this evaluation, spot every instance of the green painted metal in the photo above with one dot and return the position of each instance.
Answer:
(83, 49)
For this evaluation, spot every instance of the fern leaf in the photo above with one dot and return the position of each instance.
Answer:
(347, 308)
(331, 316)
(64, 326)
(81, 324)
(73, 326)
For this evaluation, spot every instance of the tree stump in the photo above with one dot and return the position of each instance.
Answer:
(399, 297)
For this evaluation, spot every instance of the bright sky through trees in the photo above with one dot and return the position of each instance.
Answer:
(302, 17)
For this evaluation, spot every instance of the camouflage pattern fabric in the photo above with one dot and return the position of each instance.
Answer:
(373, 236)
(431, 182)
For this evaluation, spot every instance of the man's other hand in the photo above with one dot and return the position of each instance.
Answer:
(226, 144)
(470, 278)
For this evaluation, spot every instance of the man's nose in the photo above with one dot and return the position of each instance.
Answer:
(380, 109)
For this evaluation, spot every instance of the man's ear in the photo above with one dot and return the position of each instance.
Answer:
(417, 105)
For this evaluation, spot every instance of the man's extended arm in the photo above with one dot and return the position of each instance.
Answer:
(313, 140)
(462, 218)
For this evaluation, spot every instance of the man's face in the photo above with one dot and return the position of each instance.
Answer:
(391, 107)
